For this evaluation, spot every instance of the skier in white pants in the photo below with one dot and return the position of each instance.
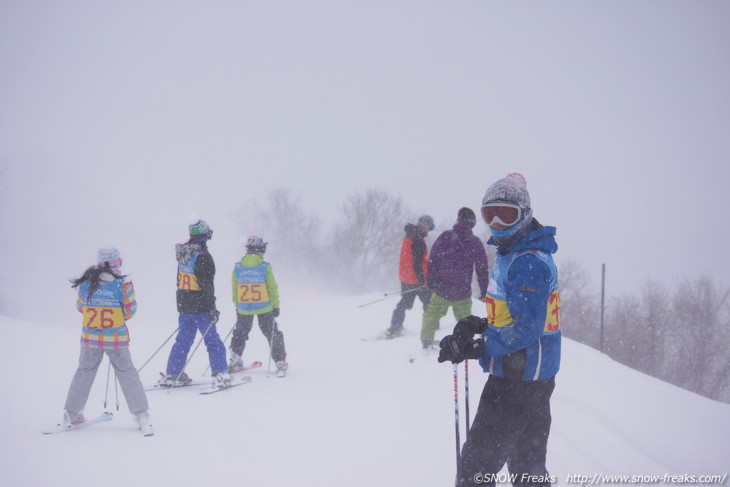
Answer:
(106, 301)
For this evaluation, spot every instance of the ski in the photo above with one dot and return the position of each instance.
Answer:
(244, 380)
(253, 365)
(159, 386)
(385, 336)
(104, 417)
(382, 336)
(373, 339)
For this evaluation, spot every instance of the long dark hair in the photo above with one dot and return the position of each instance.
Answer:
(93, 274)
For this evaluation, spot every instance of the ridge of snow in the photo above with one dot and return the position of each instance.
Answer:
(349, 412)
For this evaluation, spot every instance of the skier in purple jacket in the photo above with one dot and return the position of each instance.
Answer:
(455, 255)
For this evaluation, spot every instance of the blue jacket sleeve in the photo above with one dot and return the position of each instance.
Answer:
(528, 291)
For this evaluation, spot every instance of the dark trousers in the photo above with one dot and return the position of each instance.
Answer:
(407, 298)
(267, 324)
(511, 426)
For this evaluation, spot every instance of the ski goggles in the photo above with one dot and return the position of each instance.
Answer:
(505, 214)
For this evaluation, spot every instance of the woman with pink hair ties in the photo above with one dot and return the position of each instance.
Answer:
(106, 301)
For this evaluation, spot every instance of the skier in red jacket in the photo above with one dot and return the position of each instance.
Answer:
(412, 272)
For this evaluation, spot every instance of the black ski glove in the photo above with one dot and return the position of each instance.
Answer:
(470, 326)
(214, 315)
(276, 312)
(457, 349)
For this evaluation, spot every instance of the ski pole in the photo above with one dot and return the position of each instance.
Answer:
(376, 301)
(456, 419)
(116, 389)
(160, 348)
(192, 353)
(271, 347)
(388, 296)
(466, 395)
(400, 293)
(106, 394)
(224, 341)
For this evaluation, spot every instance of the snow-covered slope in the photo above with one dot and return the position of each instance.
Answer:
(350, 412)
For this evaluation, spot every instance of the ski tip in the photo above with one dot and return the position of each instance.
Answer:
(244, 380)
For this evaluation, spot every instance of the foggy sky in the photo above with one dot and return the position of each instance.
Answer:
(119, 119)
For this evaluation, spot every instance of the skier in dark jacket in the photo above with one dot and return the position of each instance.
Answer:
(518, 344)
(455, 256)
(412, 268)
(196, 305)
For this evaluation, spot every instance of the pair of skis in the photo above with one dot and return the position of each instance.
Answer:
(384, 336)
(102, 418)
(280, 372)
(107, 416)
(244, 380)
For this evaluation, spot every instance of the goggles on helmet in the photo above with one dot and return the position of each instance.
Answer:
(506, 214)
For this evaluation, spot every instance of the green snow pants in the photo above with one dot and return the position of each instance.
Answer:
(437, 309)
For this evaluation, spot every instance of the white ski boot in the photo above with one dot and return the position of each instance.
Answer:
(221, 380)
(143, 422)
(173, 380)
(281, 368)
(71, 420)
(235, 364)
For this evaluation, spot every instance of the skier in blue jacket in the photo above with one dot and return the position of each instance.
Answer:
(518, 343)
